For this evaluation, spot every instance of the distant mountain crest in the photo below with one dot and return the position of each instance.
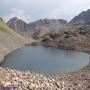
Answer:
(82, 18)
(38, 27)
(43, 26)
(47, 21)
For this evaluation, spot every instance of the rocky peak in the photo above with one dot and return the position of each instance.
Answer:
(15, 18)
(82, 18)
(18, 25)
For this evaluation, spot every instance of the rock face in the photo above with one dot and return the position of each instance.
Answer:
(9, 40)
(19, 26)
(82, 18)
(39, 27)
(42, 27)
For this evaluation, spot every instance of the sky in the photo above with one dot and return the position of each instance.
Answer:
(32, 10)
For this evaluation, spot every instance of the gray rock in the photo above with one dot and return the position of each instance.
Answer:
(39, 27)
(82, 18)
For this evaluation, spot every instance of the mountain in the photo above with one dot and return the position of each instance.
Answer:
(44, 26)
(82, 18)
(19, 26)
(39, 27)
(9, 40)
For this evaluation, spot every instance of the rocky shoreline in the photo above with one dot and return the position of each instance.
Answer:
(8, 52)
(28, 81)
(79, 80)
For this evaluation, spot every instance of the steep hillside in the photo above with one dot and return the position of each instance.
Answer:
(9, 40)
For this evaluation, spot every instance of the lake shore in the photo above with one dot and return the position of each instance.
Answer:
(3, 55)
(79, 80)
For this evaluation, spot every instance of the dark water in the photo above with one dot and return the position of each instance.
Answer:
(46, 60)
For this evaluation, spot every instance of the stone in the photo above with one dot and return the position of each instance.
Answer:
(7, 84)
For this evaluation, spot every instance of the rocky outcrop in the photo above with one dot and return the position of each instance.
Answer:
(75, 39)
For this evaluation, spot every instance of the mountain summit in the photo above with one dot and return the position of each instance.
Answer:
(82, 18)
(19, 26)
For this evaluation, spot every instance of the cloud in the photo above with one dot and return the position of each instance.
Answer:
(17, 12)
(31, 10)
(20, 13)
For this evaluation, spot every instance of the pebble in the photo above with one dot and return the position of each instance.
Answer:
(33, 81)
(7, 84)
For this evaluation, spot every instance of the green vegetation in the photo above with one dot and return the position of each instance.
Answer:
(54, 35)
(4, 28)
(76, 29)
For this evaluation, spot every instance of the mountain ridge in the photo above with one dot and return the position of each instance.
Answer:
(82, 18)
(43, 26)
(36, 28)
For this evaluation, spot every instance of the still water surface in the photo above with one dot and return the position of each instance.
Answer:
(45, 60)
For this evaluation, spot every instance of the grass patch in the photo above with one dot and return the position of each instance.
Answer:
(54, 35)
(4, 28)
(76, 29)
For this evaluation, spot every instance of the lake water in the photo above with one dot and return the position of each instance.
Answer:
(45, 60)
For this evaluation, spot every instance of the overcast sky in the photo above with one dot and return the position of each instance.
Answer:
(31, 10)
